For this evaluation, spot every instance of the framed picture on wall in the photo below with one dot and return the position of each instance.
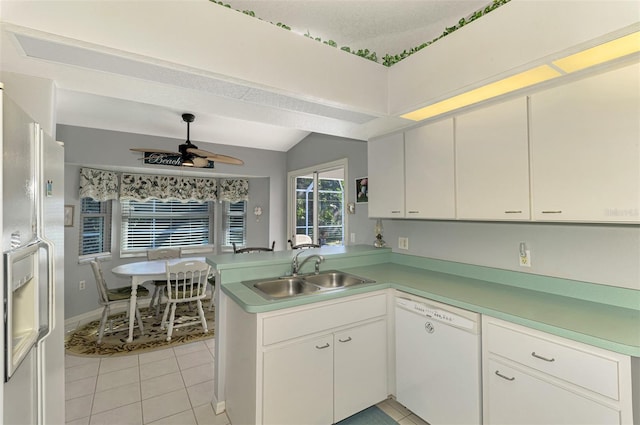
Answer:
(68, 216)
(362, 190)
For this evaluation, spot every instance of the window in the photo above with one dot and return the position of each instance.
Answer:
(95, 227)
(317, 203)
(234, 225)
(155, 224)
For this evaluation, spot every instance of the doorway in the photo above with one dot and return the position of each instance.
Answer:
(316, 204)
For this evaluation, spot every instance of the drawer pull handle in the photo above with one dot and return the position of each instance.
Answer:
(513, 212)
(538, 356)
(395, 212)
(345, 340)
(552, 212)
(513, 378)
(322, 347)
(414, 212)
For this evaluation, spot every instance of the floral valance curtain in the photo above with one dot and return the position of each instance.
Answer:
(99, 185)
(102, 185)
(138, 187)
(233, 190)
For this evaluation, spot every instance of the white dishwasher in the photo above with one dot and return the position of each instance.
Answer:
(438, 361)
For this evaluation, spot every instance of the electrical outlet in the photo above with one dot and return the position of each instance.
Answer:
(403, 243)
(82, 285)
(352, 238)
(525, 260)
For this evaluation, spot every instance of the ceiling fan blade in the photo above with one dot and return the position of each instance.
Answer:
(215, 157)
(154, 150)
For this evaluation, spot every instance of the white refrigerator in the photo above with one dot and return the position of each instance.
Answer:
(32, 332)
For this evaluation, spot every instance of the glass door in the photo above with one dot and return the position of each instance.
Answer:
(318, 208)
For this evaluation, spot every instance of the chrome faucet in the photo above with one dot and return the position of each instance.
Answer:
(296, 266)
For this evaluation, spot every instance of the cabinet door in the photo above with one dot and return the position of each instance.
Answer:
(360, 368)
(585, 149)
(386, 176)
(492, 163)
(429, 171)
(298, 383)
(513, 397)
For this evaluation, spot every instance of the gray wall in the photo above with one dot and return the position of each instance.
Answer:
(597, 253)
(110, 150)
(318, 149)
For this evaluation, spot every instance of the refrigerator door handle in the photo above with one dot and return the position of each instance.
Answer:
(48, 247)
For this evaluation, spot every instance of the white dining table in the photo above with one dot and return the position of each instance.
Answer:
(145, 271)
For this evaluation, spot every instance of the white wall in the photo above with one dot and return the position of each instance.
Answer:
(110, 150)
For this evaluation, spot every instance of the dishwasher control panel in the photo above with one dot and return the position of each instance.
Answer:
(435, 313)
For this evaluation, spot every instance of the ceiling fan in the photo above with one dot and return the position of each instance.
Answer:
(188, 156)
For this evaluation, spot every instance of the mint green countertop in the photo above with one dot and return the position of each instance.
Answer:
(612, 327)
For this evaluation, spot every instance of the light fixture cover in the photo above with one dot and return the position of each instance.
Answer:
(500, 87)
(605, 52)
(602, 53)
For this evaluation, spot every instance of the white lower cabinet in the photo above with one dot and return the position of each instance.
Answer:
(298, 383)
(530, 377)
(360, 359)
(326, 379)
(314, 364)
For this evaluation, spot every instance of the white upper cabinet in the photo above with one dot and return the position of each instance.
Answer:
(492, 163)
(429, 171)
(585, 149)
(386, 176)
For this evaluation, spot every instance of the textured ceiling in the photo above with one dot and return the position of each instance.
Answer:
(382, 26)
(106, 89)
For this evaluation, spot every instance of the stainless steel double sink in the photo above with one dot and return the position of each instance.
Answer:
(291, 286)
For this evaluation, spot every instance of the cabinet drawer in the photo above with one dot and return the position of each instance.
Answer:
(567, 360)
(317, 319)
(514, 397)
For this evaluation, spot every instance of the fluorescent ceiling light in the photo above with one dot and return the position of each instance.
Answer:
(602, 53)
(506, 85)
(615, 49)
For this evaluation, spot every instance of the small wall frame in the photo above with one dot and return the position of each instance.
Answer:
(68, 215)
(362, 190)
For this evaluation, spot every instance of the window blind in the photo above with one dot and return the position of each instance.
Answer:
(95, 227)
(154, 224)
(235, 218)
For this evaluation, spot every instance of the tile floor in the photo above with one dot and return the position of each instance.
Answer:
(399, 413)
(170, 386)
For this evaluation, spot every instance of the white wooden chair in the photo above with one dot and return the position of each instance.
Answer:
(302, 242)
(160, 254)
(186, 282)
(109, 297)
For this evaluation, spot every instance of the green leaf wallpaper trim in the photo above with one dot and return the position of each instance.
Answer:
(388, 60)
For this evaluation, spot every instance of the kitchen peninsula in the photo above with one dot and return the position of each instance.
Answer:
(601, 317)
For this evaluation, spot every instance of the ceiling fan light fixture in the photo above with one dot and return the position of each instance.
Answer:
(199, 162)
(187, 163)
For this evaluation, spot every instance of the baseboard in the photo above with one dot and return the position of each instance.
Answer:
(218, 406)
(91, 315)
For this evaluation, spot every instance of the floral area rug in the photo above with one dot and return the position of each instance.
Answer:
(83, 341)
